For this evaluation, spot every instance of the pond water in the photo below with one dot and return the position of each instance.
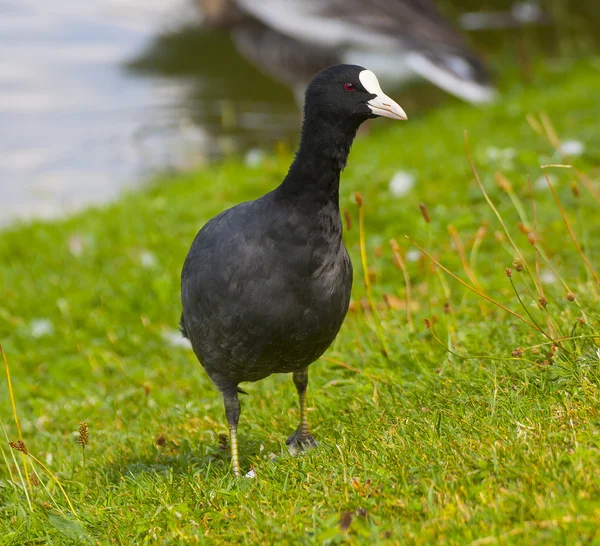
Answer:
(76, 125)
(101, 94)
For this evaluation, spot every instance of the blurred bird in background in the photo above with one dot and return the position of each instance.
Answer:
(520, 14)
(291, 40)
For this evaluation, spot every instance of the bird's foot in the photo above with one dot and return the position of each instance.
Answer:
(301, 442)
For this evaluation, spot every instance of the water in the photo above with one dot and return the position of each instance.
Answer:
(75, 125)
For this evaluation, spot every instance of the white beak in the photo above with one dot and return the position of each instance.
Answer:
(381, 105)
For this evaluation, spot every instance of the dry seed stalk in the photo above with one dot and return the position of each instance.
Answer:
(460, 248)
(83, 438)
(363, 255)
(16, 417)
(495, 210)
(498, 304)
(476, 357)
(570, 230)
(549, 130)
(402, 265)
(20, 446)
(589, 185)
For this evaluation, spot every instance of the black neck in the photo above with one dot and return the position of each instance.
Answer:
(324, 147)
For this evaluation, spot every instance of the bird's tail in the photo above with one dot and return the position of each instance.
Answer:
(461, 75)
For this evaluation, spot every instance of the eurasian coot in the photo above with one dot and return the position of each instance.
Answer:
(398, 39)
(266, 284)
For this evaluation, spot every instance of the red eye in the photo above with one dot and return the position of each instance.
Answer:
(349, 87)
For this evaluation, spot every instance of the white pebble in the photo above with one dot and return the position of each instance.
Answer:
(572, 148)
(41, 327)
(401, 183)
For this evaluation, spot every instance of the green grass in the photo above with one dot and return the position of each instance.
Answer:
(424, 447)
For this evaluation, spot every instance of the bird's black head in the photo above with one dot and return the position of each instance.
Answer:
(351, 92)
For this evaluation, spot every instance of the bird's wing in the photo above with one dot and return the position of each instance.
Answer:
(432, 47)
(291, 61)
(334, 23)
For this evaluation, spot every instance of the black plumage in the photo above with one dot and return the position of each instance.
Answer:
(266, 284)
(292, 39)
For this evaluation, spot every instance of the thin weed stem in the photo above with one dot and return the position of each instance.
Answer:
(530, 315)
(551, 267)
(538, 275)
(46, 489)
(363, 256)
(477, 357)
(555, 143)
(356, 370)
(460, 248)
(535, 124)
(479, 237)
(567, 338)
(496, 211)
(571, 233)
(505, 184)
(16, 417)
(474, 290)
(23, 481)
(57, 481)
(589, 185)
(402, 265)
(549, 130)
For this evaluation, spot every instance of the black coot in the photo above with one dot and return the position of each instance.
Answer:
(292, 39)
(266, 284)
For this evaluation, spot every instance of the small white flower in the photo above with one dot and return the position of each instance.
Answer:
(254, 158)
(572, 148)
(504, 157)
(401, 183)
(175, 339)
(548, 277)
(148, 259)
(542, 184)
(41, 327)
(413, 255)
(49, 458)
(40, 422)
(76, 245)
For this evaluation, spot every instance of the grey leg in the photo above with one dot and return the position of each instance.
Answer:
(302, 439)
(232, 412)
